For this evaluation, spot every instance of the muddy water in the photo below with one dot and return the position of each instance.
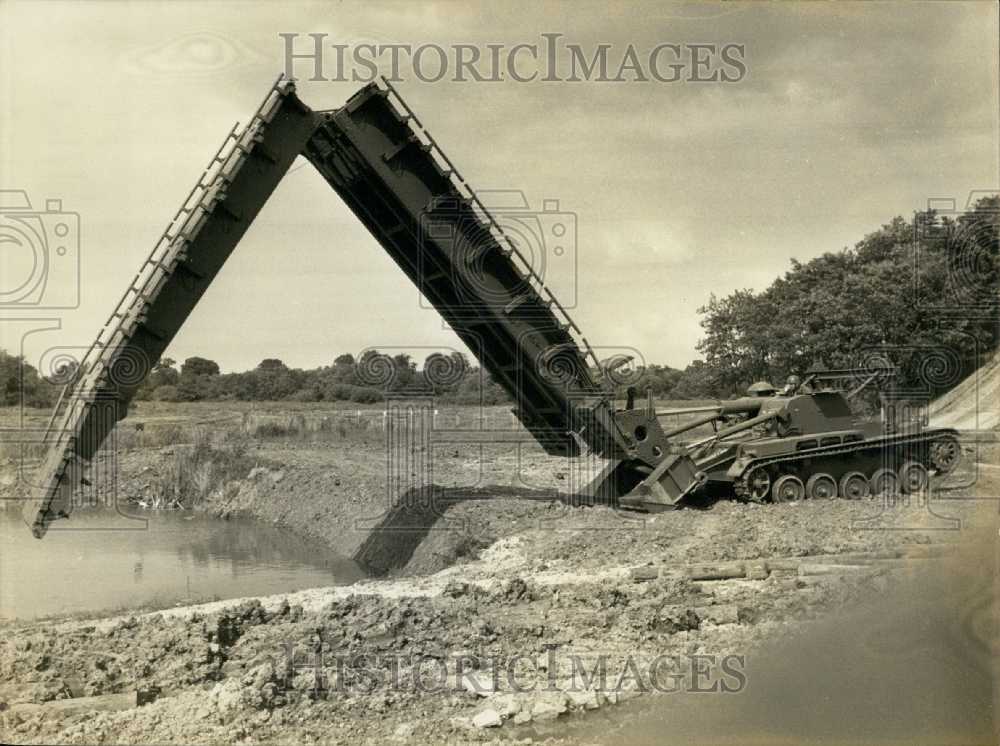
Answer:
(919, 665)
(104, 562)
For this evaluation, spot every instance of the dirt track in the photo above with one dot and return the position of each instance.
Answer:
(510, 598)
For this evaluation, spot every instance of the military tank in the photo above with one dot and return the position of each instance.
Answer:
(806, 442)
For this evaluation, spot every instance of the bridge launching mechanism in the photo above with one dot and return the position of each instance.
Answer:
(375, 153)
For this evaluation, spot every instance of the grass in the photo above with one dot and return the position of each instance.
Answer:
(317, 429)
(209, 445)
(195, 471)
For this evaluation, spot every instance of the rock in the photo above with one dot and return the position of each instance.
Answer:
(522, 717)
(507, 704)
(146, 695)
(718, 614)
(586, 699)
(488, 718)
(675, 618)
(548, 705)
(404, 730)
(227, 695)
(479, 683)
(516, 590)
(455, 589)
(258, 471)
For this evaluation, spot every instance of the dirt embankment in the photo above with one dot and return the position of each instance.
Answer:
(500, 598)
(973, 403)
(390, 522)
(494, 645)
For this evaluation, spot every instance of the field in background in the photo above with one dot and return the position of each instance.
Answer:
(152, 424)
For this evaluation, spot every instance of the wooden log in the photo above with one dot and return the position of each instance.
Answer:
(62, 707)
(762, 568)
(642, 574)
(856, 558)
(758, 570)
(718, 571)
(827, 569)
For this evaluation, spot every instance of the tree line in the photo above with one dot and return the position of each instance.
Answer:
(921, 294)
(366, 379)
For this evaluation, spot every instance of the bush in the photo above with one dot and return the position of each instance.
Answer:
(271, 430)
(365, 395)
(166, 393)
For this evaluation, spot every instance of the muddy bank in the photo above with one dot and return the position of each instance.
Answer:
(499, 597)
(429, 659)
(344, 498)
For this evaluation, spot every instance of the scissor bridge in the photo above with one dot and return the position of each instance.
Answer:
(377, 156)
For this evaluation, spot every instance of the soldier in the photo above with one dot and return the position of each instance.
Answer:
(792, 384)
(761, 388)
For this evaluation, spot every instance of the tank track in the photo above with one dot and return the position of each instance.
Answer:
(741, 485)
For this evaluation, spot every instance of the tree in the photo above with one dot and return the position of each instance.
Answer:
(442, 374)
(697, 381)
(199, 366)
(738, 343)
(20, 383)
(273, 380)
(405, 372)
(272, 364)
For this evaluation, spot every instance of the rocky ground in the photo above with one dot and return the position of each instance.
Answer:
(496, 608)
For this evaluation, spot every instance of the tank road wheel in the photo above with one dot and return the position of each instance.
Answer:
(945, 454)
(854, 485)
(757, 485)
(788, 489)
(821, 486)
(884, 482)
(913, 477)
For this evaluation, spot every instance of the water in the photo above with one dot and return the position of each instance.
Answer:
(172, 557)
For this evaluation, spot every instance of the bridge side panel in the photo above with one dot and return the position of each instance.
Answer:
(194, 248)
(368, 152)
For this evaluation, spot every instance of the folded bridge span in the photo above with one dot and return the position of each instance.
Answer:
(377, 156)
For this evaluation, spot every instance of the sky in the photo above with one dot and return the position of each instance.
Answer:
(847, 115)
